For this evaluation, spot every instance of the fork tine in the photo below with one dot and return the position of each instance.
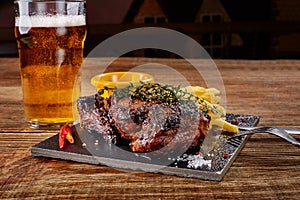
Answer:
(275, 131)
(284, 135)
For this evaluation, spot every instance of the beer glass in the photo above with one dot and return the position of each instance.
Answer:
(50, 37)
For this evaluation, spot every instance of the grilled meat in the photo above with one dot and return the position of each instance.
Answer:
(148, 119)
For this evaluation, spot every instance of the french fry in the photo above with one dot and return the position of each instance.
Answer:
(225, 125)
(209, 98)
(213, 91)
(196, 90)
(220, 108)
(216, 111)
(208, 94)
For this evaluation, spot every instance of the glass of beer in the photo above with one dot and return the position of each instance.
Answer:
(50, 37)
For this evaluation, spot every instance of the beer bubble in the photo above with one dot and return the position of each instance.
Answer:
(60, 56)
(61, 31)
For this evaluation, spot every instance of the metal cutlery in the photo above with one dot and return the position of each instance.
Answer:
(280, 132)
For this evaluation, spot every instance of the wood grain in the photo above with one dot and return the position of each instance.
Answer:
(267, 168)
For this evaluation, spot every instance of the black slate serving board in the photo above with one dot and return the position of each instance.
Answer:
(93, 149)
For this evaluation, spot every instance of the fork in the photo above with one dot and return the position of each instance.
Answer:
(271, 130)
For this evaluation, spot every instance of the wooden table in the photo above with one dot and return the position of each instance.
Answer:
(267, 167)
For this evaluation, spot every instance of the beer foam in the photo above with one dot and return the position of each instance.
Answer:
(50, 21)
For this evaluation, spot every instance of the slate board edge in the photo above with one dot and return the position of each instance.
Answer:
(129, 165)
(37, 151)
(136, 166)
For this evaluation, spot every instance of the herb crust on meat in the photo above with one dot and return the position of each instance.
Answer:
(147, 118)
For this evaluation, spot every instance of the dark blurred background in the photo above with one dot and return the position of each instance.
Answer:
(227, 29)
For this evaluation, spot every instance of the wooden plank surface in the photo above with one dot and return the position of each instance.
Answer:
(267, 168)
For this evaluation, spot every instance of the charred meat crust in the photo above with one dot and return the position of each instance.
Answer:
(145, 126)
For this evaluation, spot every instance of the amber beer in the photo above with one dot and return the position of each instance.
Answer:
(51, 54)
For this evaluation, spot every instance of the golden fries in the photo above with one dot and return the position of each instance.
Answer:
(208, 94)
(209, 98)
(225, 125)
